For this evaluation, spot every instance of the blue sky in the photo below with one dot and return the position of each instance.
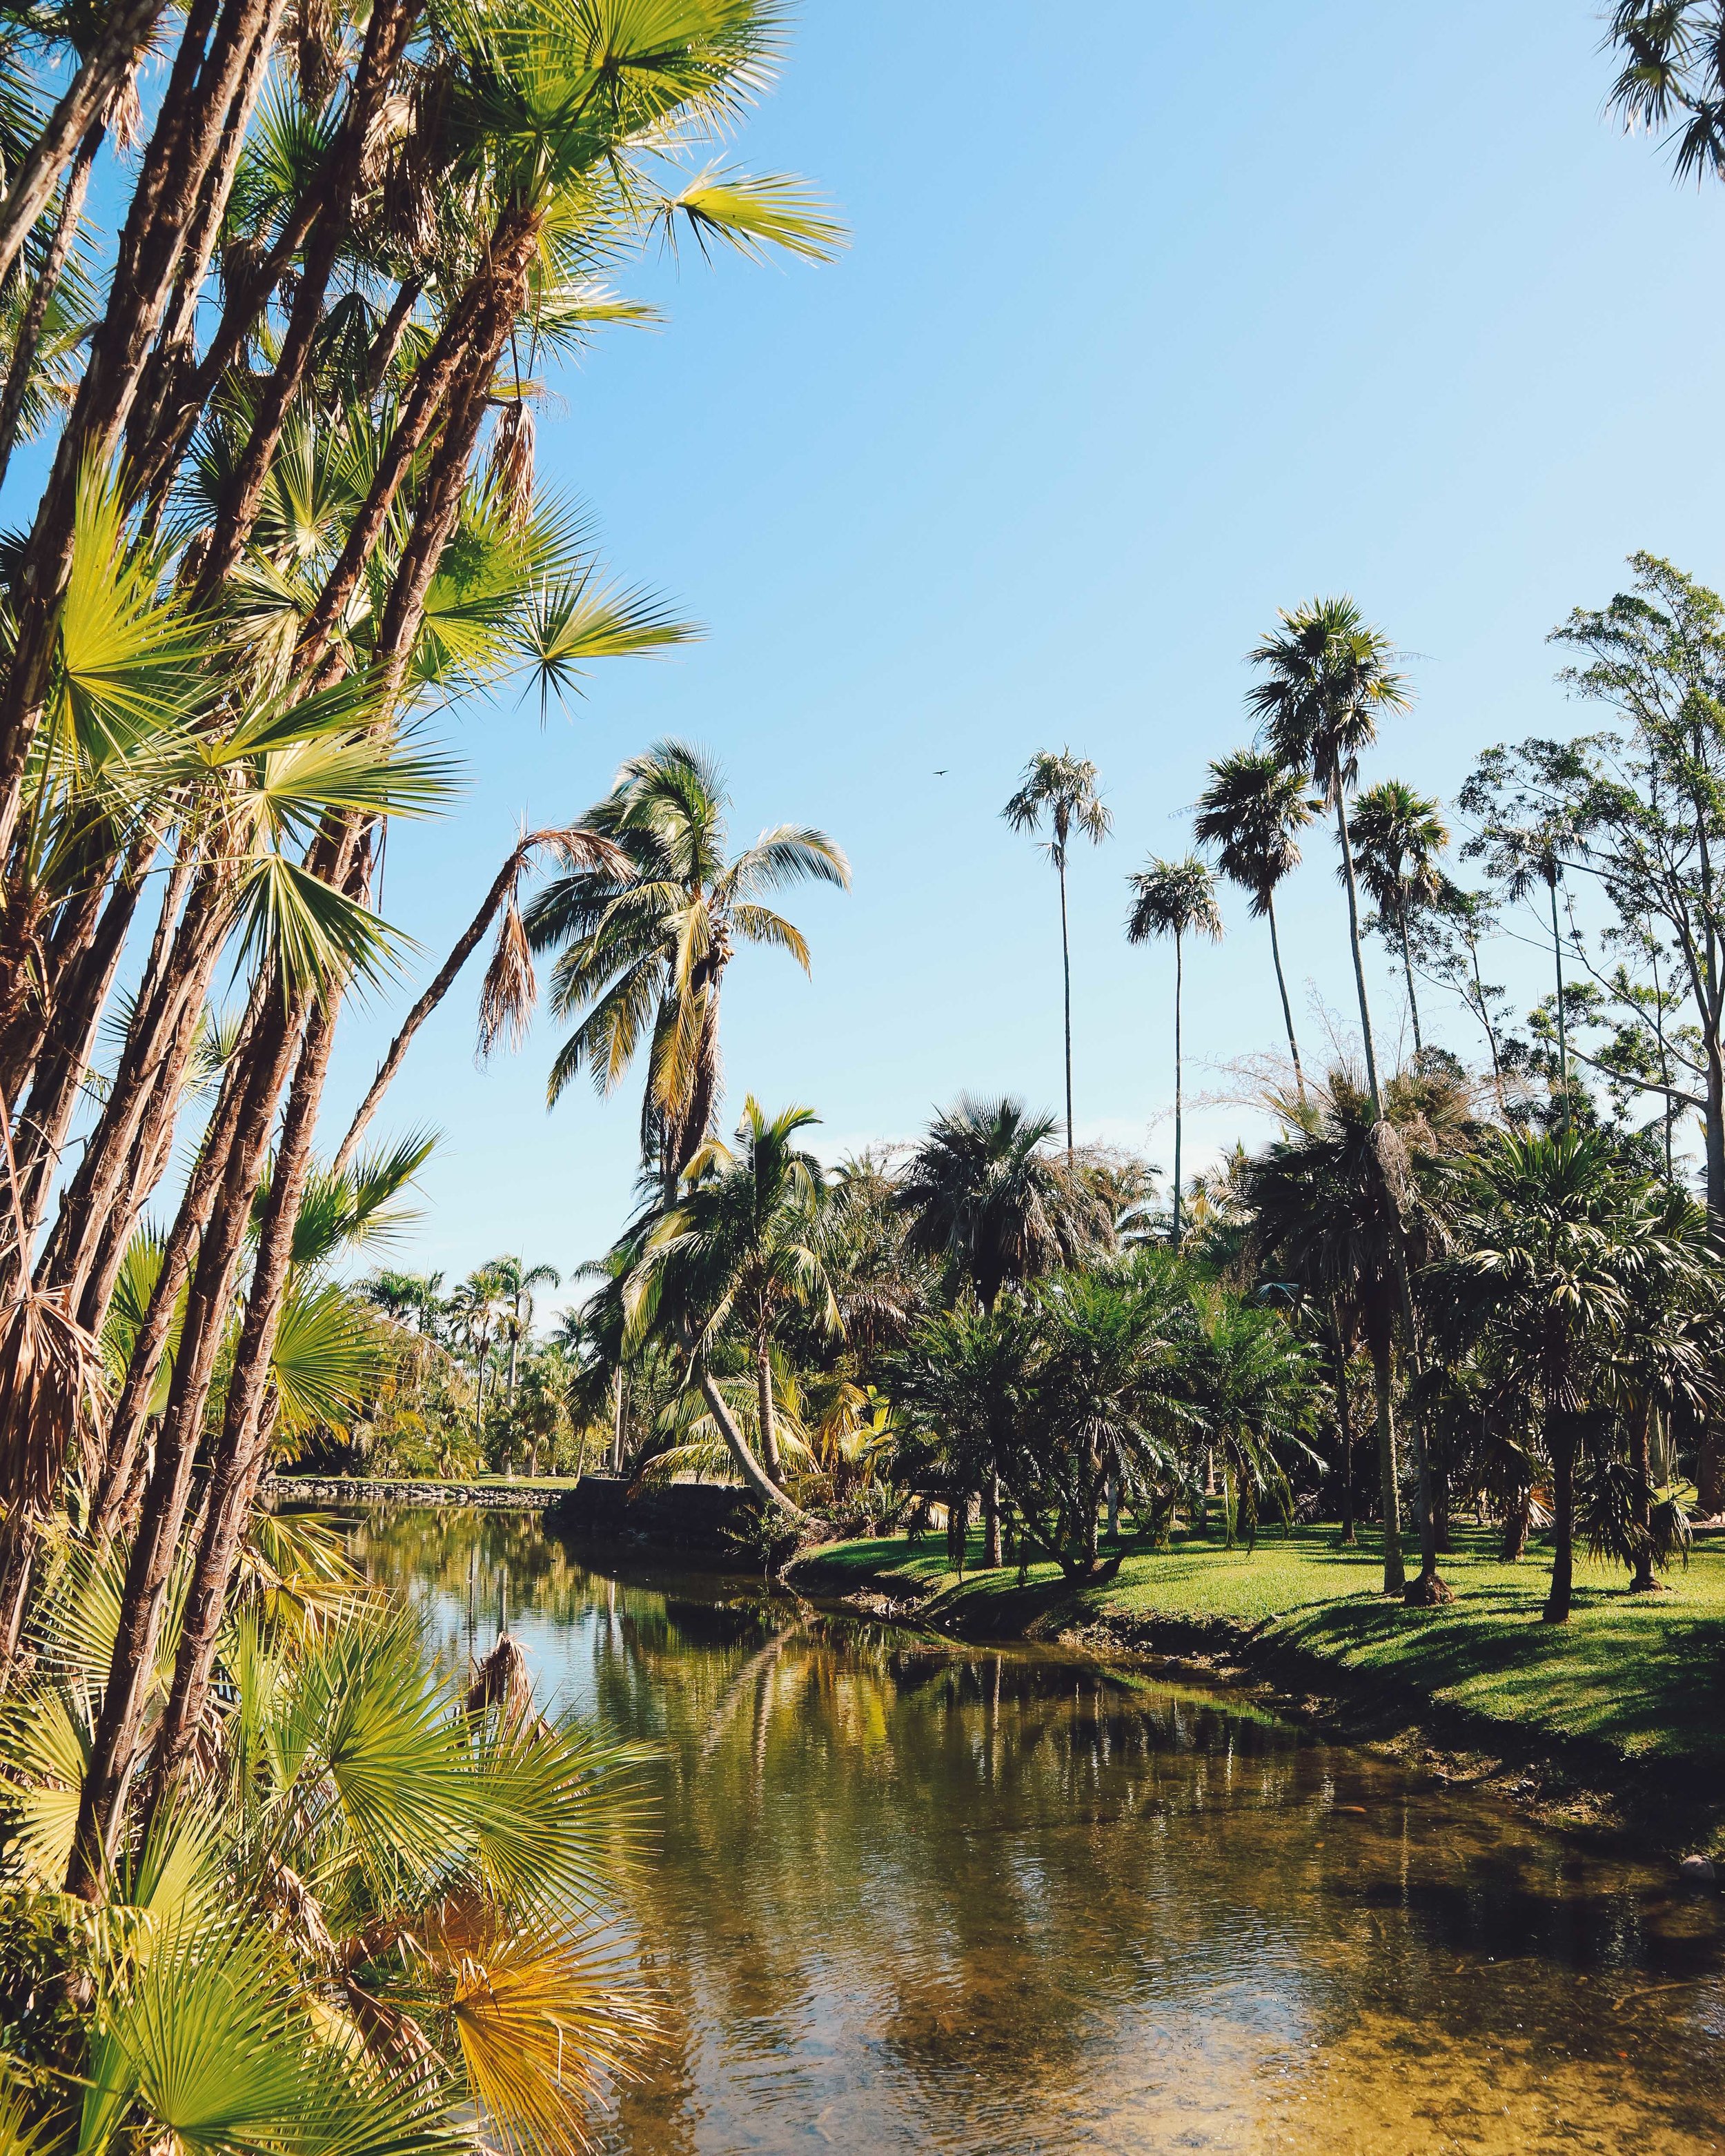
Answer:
(1154, 319)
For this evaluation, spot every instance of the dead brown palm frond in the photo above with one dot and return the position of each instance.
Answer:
(53, 1375)
(511, 465)
(501, 1680)
(510, 990)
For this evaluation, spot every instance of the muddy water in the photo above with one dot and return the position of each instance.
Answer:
(910, 1896)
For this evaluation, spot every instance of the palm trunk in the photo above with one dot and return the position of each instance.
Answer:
(115, 1744)
(29, 328)
(124, 36)
(1066, 996)
(1359, 965)
(1560, 1438)
(243, 1450)
(1401, 917)
(1395, 1578)
(1344, 1423)
(1557, 947)
(1485, 1015)
(991, 1523)
(1180, 1102)
(617, 1427)
(754, 1473)
(764, 1406)
(1642, 1581)
(1287, 1009)
(1429, 1589)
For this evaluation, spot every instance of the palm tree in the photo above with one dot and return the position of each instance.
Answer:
(1061, 791)
(642, 952)
(477, 1309)
(1327, 680)
(1176, 899)
(1341, 1205)
(518, 1281)
(985, 1198)
(1398, 838)
(1557, 1245)
(735, 1255)
(1252, 811)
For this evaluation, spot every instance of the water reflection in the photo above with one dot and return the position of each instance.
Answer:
(913, 1897)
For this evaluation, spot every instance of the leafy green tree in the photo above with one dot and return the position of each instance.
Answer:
(1640, 808)
(1400, 839)
(1176, 899)
(1252, 813)
(1058, 791)
(1326, 679)
(642, 952)
(1250, 1387)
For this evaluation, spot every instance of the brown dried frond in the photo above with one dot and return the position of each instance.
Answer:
(501, 1680)
(511, 466)
(317, 40)
(123, 114)
(510, 990)
(52, 1391)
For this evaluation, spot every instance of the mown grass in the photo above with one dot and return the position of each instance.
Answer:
(1644, 1675)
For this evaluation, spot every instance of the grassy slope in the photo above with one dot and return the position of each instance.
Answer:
(1643, 1675)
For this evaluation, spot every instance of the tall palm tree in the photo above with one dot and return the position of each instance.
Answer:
(1176, 899)
(1327, 680)
(1400, 839)
(642, 954)
(735, 1255)
(1061, 791)
(1344, 1204)
(1252, 811)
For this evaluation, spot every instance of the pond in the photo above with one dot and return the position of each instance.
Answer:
(910, 1896)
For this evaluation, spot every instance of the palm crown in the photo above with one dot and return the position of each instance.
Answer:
(1252, 813)
(1327, 680)
(642, 952)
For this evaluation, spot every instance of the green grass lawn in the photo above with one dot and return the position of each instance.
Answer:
(1644, 1675)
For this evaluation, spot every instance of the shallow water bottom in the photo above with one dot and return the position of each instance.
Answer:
(905, 1895)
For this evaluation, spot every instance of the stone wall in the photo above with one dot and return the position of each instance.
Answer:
(357, 1490)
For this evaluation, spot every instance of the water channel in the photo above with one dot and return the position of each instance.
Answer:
(905, 1895)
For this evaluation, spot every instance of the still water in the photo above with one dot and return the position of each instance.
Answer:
(911, 1897)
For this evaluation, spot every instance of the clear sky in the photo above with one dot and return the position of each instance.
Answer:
(1155, 318)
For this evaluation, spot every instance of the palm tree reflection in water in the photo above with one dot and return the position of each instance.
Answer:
(910, 1896)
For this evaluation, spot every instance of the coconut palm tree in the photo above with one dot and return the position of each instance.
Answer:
(1398, 840)
(1252, 811)
(1176, 899)
(642, 952)
(1059, 791)
(518, 1281)
(734, 1255)
(1326, 681)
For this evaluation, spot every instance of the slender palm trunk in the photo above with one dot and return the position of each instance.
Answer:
(1179, 1099)
(1395, 1577)
(764, 1408)
(1401, 921)
(1287, 1009)
(1557, 950)
(991, 1521)
(1066, 996)
(754, 1473)
(616, 1426)
(29, 329)
(1561, 1441)
(1642, 1581)
(1344, 1424)
(1359, 965)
